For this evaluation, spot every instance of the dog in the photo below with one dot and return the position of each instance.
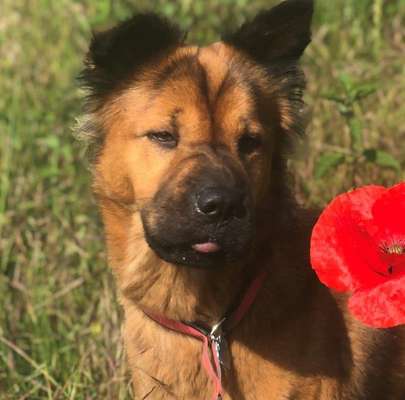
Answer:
(189, 153)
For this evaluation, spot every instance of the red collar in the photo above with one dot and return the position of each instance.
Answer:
(214, 351)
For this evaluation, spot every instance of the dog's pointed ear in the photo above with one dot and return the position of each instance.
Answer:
(116, 54)
(279, 34)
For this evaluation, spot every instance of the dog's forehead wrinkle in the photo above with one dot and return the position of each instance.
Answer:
(174, 118)
(202, 83)
(217, 69)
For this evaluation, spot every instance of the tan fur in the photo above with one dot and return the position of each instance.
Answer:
(297, 341)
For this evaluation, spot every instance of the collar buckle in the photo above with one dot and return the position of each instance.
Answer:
(217, 337)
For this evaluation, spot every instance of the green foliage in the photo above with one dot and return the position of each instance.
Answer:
(59, 320)
(328, 161)
(347, 100)
(382, 158)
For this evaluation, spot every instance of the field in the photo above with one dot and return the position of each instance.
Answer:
(59, 318)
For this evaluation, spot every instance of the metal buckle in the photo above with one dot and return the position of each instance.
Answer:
(217, 336)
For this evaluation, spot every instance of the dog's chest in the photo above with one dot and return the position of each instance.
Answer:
(170, 367)
(253, 377)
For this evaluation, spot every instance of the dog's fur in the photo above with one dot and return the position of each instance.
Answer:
(166, 120)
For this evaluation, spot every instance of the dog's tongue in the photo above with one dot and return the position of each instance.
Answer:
(208, 247)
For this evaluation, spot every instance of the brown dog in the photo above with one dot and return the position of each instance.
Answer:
(189, 161)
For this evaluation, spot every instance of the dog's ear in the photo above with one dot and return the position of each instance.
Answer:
(276, 35)
(116, 54)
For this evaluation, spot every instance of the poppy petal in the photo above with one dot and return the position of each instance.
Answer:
(340, 247)
(382, 306)
(389, 211)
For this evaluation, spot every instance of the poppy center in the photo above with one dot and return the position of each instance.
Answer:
(393, 256)
(395, 249)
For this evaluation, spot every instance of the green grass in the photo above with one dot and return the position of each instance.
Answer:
(59, 319)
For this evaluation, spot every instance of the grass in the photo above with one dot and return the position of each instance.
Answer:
(59, 319)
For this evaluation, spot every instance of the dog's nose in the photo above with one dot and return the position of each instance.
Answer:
(216, 202)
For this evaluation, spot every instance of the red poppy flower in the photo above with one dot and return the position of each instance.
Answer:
(358, 246)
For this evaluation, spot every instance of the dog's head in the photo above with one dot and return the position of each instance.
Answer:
(190, 137)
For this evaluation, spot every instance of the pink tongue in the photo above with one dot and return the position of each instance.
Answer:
(208, 247)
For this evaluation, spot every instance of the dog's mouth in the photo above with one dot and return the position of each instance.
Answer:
(206, 247)
(183, 234)
(203, 254)
(200, 252)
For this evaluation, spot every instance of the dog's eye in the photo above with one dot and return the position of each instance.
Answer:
(165, 139)
(249, 143)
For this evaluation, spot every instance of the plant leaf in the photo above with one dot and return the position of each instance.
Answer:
(346, 81)
(382, 158)
(364, 90)
(345, 110)
(333, 97)
(326, 162)
(356, 134)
